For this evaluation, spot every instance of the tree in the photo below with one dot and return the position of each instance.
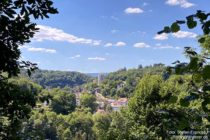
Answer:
(119, 127)
(59, 100)
(54, 79)
(157, 107)
(81, 124)
(101, 126)
(42, 125)
(199, 65)
(63, 102)
(19, 97)
(122, 83)
(89, 101)
(16, 29)
(112, 126)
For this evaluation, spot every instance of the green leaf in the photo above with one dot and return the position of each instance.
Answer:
(183, 124)
(194, 95)
(206, 29)
(175, 27)
(173, 99)
(180, 68)
(198, 119)
(201, 40)
(201, 15)
(193, 65)
(206, 88)
(205, 103)
(197, 78)
(191, 23)
(184, 103)
(208, 118)
(206, 72)
(167, 29)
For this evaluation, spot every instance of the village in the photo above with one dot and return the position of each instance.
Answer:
(104, 103)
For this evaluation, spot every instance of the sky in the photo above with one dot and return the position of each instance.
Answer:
(93, 36)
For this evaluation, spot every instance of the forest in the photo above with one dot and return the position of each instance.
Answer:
(155, 102)
(155, 99)
(53, 79)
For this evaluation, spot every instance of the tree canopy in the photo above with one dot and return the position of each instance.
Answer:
(16, 29)
(61, 79)
(199, 65)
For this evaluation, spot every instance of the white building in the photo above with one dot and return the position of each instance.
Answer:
(100, 78)
(119, 103)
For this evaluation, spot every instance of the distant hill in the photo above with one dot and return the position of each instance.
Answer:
(122, 83)
(53, 79)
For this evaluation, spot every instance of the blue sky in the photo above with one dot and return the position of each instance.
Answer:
(106, 35)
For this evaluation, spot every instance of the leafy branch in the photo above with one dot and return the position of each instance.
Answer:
(198, 65)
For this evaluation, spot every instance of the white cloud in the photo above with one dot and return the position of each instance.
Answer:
(108, 45)
(172, 2)
(76, 56)
(164, 47)
(179, 34)
(34, 49)
(54, 34)
(97, 58)
(141, 45)
(182, 3)
(162, 36)
(120, 44)
(187, 4)
(131, 10)
(160, 46)
(31, 49)
(184, 34)
(96, 42)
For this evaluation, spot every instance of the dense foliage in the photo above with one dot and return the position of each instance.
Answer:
(156, 108)
(122, 83)
(48, 125)
(199, 65)
(60, 101)
(54, 79)
(18, 98)
(16, 29)
(158, 103)
(88, 101)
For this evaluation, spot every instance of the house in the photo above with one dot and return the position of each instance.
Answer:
(119, 103)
